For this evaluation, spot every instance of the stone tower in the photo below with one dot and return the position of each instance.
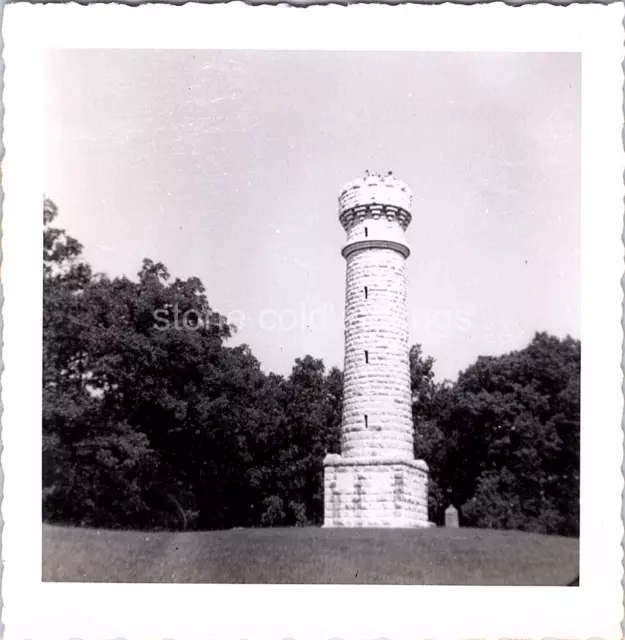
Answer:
(376, 482)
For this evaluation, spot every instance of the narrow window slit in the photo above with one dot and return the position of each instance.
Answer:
(366, 232)
(366, 356)
(366, 292)
(366, 421)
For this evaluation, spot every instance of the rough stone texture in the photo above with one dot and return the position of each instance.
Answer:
(376, 481)
(375, 492)
(377, 371)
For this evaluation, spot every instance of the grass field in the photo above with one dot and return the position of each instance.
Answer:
(311, 556)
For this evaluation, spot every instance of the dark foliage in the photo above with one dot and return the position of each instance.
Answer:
(150, 421)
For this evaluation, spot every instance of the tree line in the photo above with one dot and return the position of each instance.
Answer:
(146, 426)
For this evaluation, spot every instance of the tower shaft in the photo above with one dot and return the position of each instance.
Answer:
(377, 414)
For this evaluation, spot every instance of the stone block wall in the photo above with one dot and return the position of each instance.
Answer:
(377, 414)
(373, 492)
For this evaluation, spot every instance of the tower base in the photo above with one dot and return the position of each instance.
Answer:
(375, 492)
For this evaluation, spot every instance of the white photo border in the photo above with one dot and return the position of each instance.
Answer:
(59, 611)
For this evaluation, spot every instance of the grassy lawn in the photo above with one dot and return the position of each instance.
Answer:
(311, 555)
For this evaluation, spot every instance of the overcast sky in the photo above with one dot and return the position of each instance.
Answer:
(227, 166)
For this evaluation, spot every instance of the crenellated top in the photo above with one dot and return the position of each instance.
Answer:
(375, 194)
(375, 213)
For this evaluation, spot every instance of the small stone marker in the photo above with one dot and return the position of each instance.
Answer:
(451, 517)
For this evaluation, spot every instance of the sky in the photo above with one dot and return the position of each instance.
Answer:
(226, 165)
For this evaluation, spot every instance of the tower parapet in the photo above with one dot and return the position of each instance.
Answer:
(375, 213)
(377, 190)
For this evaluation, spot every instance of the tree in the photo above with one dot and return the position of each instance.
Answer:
(429, 440)
(422, 386)
(312, 428)
(502, 443)
(91, 464)
(515, 428)
(150, 420)
(127, 397)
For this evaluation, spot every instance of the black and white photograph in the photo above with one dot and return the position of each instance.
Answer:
(313, 316)
(249, 379)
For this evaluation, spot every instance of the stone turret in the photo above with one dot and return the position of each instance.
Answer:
(376, 481)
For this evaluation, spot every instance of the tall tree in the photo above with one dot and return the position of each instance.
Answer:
(515, 423)
(312, 415)
(429, 403)
(150, 420)
(91, 464)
